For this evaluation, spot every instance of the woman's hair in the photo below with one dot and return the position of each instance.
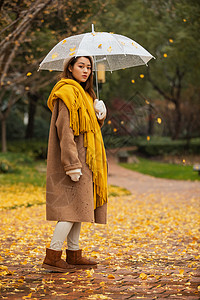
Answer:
(88, 85)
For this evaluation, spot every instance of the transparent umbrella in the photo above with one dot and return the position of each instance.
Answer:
(114, 51)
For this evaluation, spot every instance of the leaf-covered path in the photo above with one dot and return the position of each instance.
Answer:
(148, 250)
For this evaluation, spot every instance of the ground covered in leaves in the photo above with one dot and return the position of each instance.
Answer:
(148, 250)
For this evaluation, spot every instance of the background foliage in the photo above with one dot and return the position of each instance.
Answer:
(168, 88)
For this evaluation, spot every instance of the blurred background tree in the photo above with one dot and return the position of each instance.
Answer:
(168, 29)
(29, 29)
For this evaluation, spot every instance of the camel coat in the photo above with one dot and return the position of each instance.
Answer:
(67, 200)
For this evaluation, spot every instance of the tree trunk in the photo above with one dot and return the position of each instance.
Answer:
(150, 122)
(177, 127)
(3, 135)
(33, 99)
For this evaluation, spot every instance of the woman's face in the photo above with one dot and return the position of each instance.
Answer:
(81, 70)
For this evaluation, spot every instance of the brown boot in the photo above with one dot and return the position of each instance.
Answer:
(74, 257)
(53, 262)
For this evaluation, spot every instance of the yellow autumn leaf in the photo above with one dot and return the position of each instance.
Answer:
(72, 49)
(110, 276)
(143, 276)
(54, 55)
(28, 74)
(63, 42)
(99, 45)
(141, 75)
(165, 55)
(133, 81)
(109, 49)
(72, 53)
(134, 45)
(159, 120)
(89, 273)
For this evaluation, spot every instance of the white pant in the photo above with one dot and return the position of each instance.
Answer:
(64, 230)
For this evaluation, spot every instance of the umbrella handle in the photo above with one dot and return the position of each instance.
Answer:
(95, 65)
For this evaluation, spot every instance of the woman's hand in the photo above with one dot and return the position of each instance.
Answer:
(74, 174)
(100, 109)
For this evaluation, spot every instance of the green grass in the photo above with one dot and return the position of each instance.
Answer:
(163, 170)
(25, 170)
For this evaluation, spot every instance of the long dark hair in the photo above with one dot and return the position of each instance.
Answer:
(88, 85)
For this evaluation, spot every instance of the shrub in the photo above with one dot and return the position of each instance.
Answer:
(6, 166)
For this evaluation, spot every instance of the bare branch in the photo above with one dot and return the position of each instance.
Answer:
(157, 88)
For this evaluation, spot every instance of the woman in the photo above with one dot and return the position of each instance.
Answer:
(76, 187)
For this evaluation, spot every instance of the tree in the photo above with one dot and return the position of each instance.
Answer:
(29, 30)
(169, 30)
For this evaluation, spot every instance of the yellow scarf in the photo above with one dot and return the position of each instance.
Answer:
(83, 120)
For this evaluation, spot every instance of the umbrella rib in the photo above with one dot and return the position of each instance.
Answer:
(119, 44)
(108, 63)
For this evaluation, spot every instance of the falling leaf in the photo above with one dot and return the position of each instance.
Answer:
(147, 102)
(50, 70)
(159, 120)
(99, 45)
(165, 55)
(72, 49)
(28, 74)
(109, 122)
(72, 53)
(110, 276)
(63, 42)
(115, 129)
(109, 49)
(171, 40)
(122, 43)
(133, 81)
(143, 276)
(141, 75)
(184, 20)
(148, 138)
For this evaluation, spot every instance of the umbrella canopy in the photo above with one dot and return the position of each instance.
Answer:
(113, 50)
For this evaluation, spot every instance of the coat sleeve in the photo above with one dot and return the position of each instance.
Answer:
(69, 152)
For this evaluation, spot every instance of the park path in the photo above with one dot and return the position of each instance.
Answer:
(148, 250)
(139, 183)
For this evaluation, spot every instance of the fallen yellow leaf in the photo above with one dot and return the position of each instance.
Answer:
(143, 276)
(110, 276)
